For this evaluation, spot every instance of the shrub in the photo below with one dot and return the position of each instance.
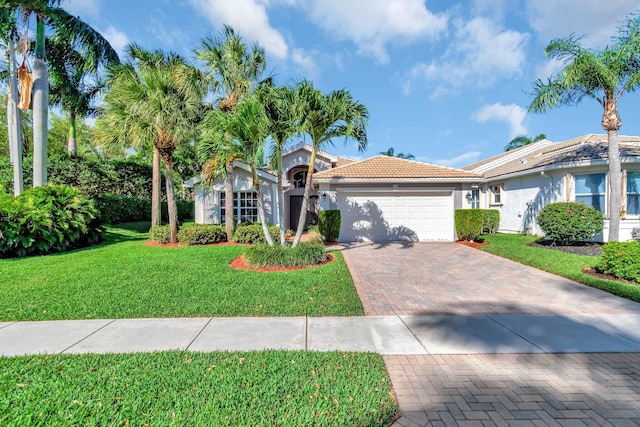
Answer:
(252, 233)
(116, 209)
(304, 254)
(490, 221)
(202, 234)
(468, 223)
(621, 260)
(329, 224)
(42, 220)
(567, 222)
(160, 234)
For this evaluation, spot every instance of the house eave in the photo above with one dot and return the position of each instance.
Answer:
(394, 180)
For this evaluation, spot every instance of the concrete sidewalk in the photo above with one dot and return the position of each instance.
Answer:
(387, 335)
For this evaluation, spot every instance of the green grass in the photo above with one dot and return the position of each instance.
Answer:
(122, 278)
(515, 247)
(270, 388)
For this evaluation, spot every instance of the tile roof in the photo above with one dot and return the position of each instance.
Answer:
(342, 161)
(386, 167)
(585, 148)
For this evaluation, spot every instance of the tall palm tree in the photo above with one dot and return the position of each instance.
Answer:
(232, 69)
(242, 133)
(603, 76)
(324, 117)
(154, 97)
(75, 82)
(48, 13)
(522, 140)
(391, 153)
(279, 105)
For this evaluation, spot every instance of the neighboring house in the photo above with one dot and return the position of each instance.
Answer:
(384, 198)
(519, 183)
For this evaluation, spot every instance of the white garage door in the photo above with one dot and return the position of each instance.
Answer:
(375, 217)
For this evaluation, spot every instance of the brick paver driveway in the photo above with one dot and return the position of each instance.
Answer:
(494, 389)
(448, 278)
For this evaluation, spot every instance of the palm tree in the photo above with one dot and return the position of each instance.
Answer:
(154, 97)
(603, 76)
(324, 117)
(48, 13)
(279, 105)
(233, 68)
(391, 153)
(74, 82)
(522, 140)
(241, 133)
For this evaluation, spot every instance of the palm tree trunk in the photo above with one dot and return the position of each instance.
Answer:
(305, 199)
(263, 219)
(615, 186)
(40, 109)
(228, 203)
(171, 200)
(72, 145)
(283, 237)
(14, 122)
(155, 188)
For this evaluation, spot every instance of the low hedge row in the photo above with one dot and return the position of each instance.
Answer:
(116, 209)
(252, 233)
(621, 260)
(304, 254)
(207, 234)
(471, 223)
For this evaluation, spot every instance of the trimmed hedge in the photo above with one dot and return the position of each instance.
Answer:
(471, 223)
(115, 209)
(252, 233)
(329, 224)
(202, 234)
(304, 254)
(47, 219)
(566, 222)
(160, 234)
(490, 221)
(621, 260)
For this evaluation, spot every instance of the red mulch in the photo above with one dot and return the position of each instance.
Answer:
(471, 244)
(594, 273)
(241, 264)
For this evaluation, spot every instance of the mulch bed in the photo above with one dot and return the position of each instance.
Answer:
(578, 248)
(241, 264)
(471, 244)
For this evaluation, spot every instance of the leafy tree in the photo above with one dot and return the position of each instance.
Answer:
(323, 118)
(155, 97)
(604, 76)
(59, 133)
(232, 69)
(522, 140)
(391, 153)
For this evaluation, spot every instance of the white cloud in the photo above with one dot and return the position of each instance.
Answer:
(597, 18)
(548, 69)
(117, 38)
(83, 8)
(513, 114)
(479, 54)
(249, 18)
(372, 24)
(461, 160)
(306, 63)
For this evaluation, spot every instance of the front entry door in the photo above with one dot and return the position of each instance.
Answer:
(295, 204)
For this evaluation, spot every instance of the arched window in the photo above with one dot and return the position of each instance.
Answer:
(300, 179)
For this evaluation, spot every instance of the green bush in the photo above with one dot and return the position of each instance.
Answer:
(468, 223)
(304, 254)
(329, 224)
(160, 234)
(252, 233)
(202, 234)
(116, 209)
(490, 221)
(566, 222)
(621, 260)
(42, 220)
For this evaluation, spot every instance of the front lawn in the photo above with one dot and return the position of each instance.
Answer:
(269, 388)
(516, 247)
(122, 278)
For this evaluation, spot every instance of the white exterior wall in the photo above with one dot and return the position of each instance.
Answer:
(207, 210)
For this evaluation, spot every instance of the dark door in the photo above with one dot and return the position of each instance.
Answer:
(295, 204)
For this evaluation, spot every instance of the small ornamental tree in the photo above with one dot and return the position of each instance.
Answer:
(567, 222)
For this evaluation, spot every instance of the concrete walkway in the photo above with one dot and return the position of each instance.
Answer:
(387, 335)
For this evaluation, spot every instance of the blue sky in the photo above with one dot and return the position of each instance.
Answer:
(448, 82)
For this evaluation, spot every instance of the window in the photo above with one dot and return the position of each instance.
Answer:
(245, 206)
(495, 194)
(475, 198)
(300, 179)
(633, 193)
(590, 189)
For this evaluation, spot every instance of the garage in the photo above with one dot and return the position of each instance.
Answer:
(396, 216)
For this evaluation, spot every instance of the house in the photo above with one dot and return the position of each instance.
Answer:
(386, 198)
(519, 183)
